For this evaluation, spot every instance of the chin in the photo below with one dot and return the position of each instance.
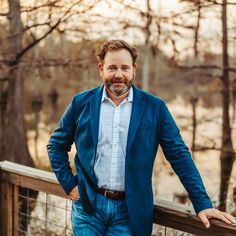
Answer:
(119, 93)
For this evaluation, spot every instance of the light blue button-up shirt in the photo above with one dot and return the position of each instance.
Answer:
(112, 140)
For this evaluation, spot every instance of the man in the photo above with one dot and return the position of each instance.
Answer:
(116, 129)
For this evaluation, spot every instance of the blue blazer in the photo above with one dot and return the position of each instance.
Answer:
(151, 124)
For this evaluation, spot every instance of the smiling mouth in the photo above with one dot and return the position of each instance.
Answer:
(118, 83)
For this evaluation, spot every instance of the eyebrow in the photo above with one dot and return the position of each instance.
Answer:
(127, 66)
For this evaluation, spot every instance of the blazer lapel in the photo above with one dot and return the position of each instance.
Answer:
(95, 104)
(136, 115)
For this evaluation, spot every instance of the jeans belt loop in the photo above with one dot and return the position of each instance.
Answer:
(105, 194)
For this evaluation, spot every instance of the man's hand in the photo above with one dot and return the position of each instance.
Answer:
(207, 214)
(74, 194)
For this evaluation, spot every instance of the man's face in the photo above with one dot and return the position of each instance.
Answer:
(117, 71)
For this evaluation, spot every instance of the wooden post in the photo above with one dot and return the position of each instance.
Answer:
(6, 209)
(15, 210)
(1, 205)
(9, 203)
(233, 213)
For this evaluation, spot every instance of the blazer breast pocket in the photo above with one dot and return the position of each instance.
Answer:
(146, 128)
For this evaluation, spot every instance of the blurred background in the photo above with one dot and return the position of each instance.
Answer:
(187, 56)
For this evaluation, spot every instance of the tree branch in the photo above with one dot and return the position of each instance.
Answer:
(205, 148)
(192, 10)
(35, 25)
(4, 14)
(32, 44)
(219, 3)
(231, 69)
(30, 9)
(3, 79)
(28, 47)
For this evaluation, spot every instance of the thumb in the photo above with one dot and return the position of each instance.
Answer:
(204, 220)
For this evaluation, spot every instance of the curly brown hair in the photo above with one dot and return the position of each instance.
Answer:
(111, 45)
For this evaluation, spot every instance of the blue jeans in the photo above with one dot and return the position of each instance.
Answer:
(110, 218)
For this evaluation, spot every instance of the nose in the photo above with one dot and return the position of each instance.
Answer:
(118, 74)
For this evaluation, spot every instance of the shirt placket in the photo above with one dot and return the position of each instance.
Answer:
(115, 145)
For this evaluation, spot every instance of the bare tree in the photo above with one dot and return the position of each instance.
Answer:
(227, 154)
(197, 6)
(148, 20)
(147, 48)
(14, 142)
(14, 145)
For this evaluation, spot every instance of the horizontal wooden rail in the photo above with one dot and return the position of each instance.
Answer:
(168, 214)
(183, 218)
(29, 177)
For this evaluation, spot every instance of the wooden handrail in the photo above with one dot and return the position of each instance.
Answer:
(183, 218)
(166, 213)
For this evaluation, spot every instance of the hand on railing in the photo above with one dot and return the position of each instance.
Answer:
(210, 213)
(74, 194)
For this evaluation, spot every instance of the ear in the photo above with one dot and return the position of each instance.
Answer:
(100, 66)
(134, 68)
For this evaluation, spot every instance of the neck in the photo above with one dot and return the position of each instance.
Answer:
(117, 99)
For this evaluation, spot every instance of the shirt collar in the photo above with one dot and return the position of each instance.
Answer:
(129, 98)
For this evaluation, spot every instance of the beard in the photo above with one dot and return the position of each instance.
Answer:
(119, 86)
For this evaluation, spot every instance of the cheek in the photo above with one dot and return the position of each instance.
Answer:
(104, 75)
(108, 75)
(129, 76)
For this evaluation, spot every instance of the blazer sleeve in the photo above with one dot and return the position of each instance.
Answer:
(177, 153)
(60, 144)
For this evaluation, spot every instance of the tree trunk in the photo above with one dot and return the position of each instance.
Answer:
(14, 142)
(234, 101)
(146, 67)
(194, 101)
(227, 154)
(146, 57)
(196, 33)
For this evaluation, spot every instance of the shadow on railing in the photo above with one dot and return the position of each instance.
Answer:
(33, 203)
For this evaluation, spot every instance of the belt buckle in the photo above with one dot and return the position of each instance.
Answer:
(107, 191)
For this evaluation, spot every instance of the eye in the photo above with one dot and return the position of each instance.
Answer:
(125, 68)
(111, 68)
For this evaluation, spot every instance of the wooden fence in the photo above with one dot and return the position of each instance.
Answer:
(14, 176)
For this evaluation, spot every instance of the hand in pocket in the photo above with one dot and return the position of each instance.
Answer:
(74, 194)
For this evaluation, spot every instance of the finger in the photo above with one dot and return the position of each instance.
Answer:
(221, 216)
(76, 198)
(74, 192)
(72, 195)
(204, 220)
(226, 220)
(75, 195)
(230, 218)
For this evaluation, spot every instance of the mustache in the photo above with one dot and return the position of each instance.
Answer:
(117, 80)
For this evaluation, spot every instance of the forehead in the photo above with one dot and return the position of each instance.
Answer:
(120, 56)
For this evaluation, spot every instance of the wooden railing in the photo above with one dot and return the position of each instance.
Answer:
(14, 176)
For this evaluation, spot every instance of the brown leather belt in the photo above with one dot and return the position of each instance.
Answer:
(112, 194)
